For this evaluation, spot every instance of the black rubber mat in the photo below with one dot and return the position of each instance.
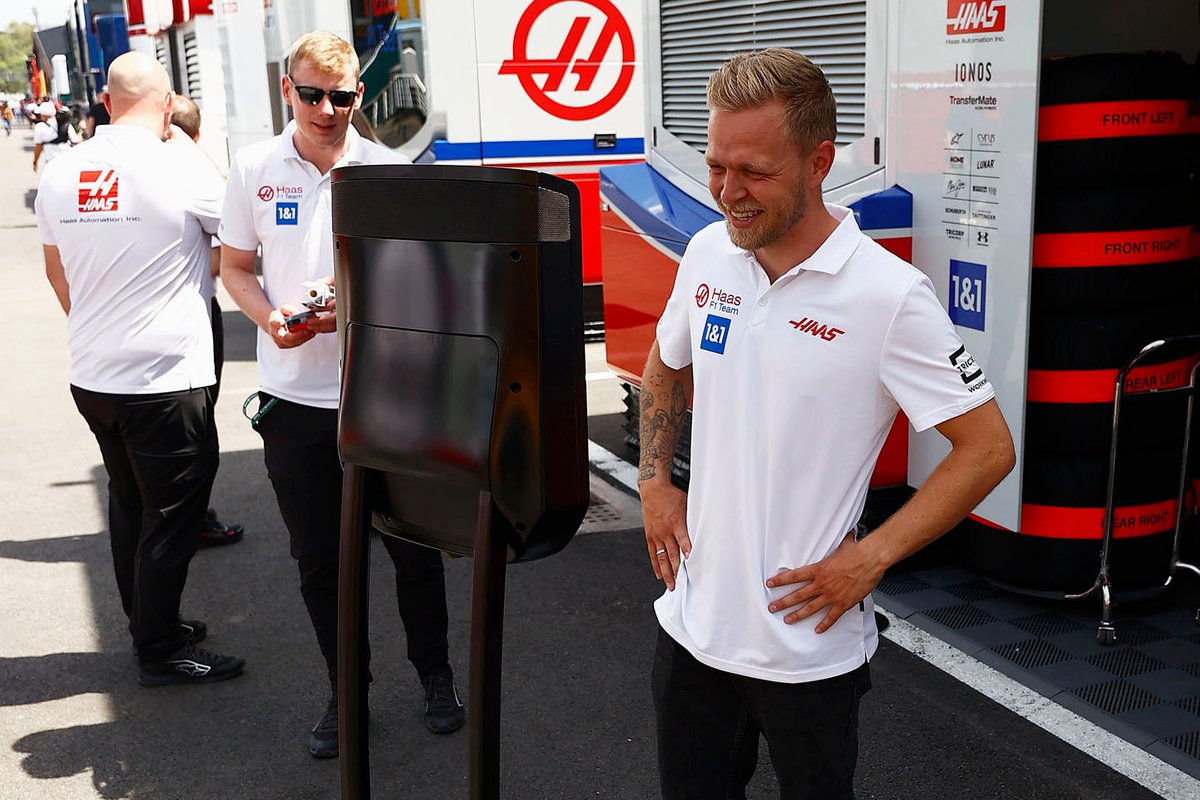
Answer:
(1145, 688)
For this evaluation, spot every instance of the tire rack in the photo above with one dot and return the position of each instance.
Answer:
(1106, 634)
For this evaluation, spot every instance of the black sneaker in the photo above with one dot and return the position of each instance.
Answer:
(190, 664)
(195, 630)
(214, 532)
(444, 712)
(323, 739)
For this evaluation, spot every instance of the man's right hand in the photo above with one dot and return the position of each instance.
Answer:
(664, 515)
(286, 339)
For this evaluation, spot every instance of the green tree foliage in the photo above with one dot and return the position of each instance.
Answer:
(16, 44)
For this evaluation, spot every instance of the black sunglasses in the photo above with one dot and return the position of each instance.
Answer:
(338, 98)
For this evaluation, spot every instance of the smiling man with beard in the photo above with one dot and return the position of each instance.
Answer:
(801, 338)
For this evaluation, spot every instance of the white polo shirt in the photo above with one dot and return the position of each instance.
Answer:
(277, 199)
(131, 218)
(796, 387)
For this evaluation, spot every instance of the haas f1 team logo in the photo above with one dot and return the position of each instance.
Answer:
(573, 58)
(97, 190)
(974, 16)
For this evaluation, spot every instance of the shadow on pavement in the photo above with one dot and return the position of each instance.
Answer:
(53, 551)
(37, 679)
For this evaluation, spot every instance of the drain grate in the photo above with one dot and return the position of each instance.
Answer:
(1192, 669)
(1125, 663)
(1046, 624)
(972, 591)
(964, 615)
(901, 584)
(1115, 697)
(1134, 631)
(1032, 653)
(601, 513)
(1190, 704)
(1187, 743)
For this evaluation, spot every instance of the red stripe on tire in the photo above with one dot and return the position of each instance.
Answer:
(1099, 385)
(1113, 248)
(1059, 522)
(1114, 119)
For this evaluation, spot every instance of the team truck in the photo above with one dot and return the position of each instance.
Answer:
(547, 85)
(1037, 160)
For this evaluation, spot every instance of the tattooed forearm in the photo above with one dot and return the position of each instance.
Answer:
(679, 405)
(659, 431)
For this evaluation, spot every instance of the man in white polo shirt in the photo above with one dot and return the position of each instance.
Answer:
(800, 338)
(125, 221)
(279, 197)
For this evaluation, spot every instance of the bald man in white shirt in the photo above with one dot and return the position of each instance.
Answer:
(125, 222)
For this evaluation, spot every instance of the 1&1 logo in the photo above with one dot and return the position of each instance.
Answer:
(98, 190)
(586, 67)
(287, 213)
(715, 334)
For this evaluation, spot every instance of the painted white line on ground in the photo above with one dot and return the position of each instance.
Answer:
(604, 375)
(1128, 759)
(613, 465)
(1107, 748)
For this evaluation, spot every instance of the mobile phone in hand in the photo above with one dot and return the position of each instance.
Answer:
(294, 321)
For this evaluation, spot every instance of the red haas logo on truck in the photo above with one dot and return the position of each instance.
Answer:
(97, 190)
(974, 16)
(572, 58)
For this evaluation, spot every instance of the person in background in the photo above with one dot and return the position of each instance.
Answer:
(7, 115)
(279, 198)
(796, 339)
(97, 115)
(141, 369)
(185, 115)
(53, 135)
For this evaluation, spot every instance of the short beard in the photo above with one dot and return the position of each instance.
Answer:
(789, 215)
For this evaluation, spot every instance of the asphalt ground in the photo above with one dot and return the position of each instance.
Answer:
(579, 632)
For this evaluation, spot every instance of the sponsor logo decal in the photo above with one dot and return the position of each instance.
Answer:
(715, 334)
(98, 190)
(973, 71)
(573, 57)
(287, 213)
(718, 300)
(818, 329)
(974, 16)
(280, 192)
(968, 293)
(968, 370)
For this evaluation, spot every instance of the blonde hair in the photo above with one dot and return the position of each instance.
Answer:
(749, 80)
(324, 51)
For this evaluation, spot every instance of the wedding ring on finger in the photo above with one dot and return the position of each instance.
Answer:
(660, 551)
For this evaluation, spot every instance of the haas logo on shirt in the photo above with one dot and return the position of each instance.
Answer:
(806, 325)
(97, 190)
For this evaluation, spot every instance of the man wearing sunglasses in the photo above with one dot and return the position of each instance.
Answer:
(278, 197)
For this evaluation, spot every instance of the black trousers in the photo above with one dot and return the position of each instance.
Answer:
(300, 450)
(709, 722)
(160, 451)
(218, 333)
